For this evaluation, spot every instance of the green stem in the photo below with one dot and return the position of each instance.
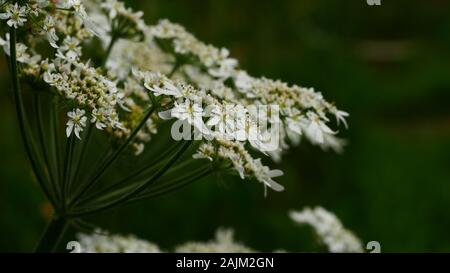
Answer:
(28, 142)
(67, 168)
(81, 157)
(172, 186)
(52, 235)
(113, 158)
(50, 170)
(177, 65)
(140, 188)
(56, 144)
(126, 181)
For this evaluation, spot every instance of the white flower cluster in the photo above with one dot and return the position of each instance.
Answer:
(85, 87)
(303, 111)
(174, 72)
(17, 15)
(216, 61)
(240, 159)
(102, 242)
(329, 229)
(117, 10)
(99, 242)
(188, 107)
(223, 243)
(326, 224)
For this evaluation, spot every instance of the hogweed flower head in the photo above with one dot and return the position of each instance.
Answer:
(146, 77)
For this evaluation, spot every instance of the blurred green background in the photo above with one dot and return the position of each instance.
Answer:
(388, 66)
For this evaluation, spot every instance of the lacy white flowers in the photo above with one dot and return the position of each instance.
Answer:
(97, 68)
(99, 242)
(326, 224)
(151, 74)
(329, 229)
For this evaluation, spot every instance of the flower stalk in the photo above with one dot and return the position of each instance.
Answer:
(52, 235)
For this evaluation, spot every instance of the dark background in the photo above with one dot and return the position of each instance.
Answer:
(388, 66)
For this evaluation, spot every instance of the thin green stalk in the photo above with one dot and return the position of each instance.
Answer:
(50, 170)
(112, 158)
(172, 186)
(80, 159)
(57, 141)
(127, 182)
(67, 168)
(28, 142)
(133, 176)
(140, 188)
(182, 165)
(52, 235)
(177, 65)
(105, 195)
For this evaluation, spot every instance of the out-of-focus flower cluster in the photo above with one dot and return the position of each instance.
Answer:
(326, 224)
(329, 229)
(99, 242)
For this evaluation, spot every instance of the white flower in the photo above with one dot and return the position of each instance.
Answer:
(243, 81)
(188, 111)
(99, 117)
(329, 228)
(225, 69)
(71, 47)
(15, 15)
(265, 175)
(340, 116)
(317, 128)
(163, 86)
(66, 58)
(113, 6)
(205, 151)
(223, 119)
(76, 123)
(49, 28)
(80, 11)
(5, 44)
(295, 121)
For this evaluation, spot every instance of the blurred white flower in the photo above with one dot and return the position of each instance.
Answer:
(223, 243)
(101, 242)
(329, 229)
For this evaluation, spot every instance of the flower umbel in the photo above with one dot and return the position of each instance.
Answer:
(123, 98)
